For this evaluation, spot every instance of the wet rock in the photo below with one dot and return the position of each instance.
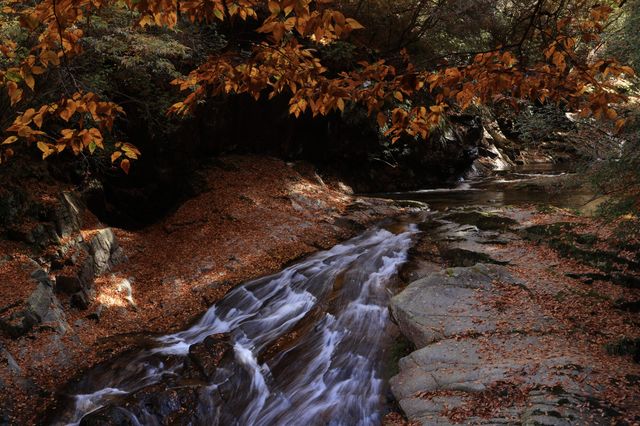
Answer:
(482, 220)
(155, 404)
(207, 355)
(461, 257)
(110, 416)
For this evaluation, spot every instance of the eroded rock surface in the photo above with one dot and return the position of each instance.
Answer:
(494, 345)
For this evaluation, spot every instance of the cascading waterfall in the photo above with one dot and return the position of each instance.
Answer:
(331, 373)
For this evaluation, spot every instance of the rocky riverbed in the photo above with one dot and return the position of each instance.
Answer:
(511, 327)
(76, 292)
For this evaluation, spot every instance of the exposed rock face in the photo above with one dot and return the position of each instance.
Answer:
(460, 358)
(105, 251)
(68, 215)
(442, 304)
(98, 255)
(41, 306)
(443, 377)
(480, 360)
(74, 263)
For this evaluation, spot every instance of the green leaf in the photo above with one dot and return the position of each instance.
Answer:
(13, 76)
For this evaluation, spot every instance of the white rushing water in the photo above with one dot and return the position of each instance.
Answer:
(329, 374)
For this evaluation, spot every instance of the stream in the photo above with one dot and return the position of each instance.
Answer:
(518, 186)
(309, 345)
(333, 306)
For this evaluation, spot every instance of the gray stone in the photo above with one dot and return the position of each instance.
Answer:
(100, 248)
(68, 215)
(41, 306)
(470, 366)
(125, 287)
(444, 304)
(14, 368)
(105, 251)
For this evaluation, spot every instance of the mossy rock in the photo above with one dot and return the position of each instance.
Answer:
(625, 346)
(411, 204)
(400, 348)
(561, 238)
(587, 239)
(543, 232)
(482, 220)
(455, 257)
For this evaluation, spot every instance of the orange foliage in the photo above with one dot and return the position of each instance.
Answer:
(404, 101)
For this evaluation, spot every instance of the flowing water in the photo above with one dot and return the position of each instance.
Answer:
(533, 184)
(309, 344)
(333, 307)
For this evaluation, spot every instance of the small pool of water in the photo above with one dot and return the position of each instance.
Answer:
(544, 184)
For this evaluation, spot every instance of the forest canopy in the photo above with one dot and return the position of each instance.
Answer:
(406, 63)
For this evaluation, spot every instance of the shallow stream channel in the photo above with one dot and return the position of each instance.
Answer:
(310, 345)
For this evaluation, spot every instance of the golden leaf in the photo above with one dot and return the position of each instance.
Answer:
(9, 140)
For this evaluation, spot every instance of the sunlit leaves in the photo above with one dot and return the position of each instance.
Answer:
(284, 62)
(84, 112)
(10, 140)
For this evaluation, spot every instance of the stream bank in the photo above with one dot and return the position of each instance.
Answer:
(518, 315)
(254, 215)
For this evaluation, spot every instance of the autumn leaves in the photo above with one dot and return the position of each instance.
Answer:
(284, 60)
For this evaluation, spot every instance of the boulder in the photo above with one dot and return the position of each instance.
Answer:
(110, 416)
(105, 251)
(443, 304)
(40, 307)
(482, 220)
(68, 215)
(450, 374)
(155, 404)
